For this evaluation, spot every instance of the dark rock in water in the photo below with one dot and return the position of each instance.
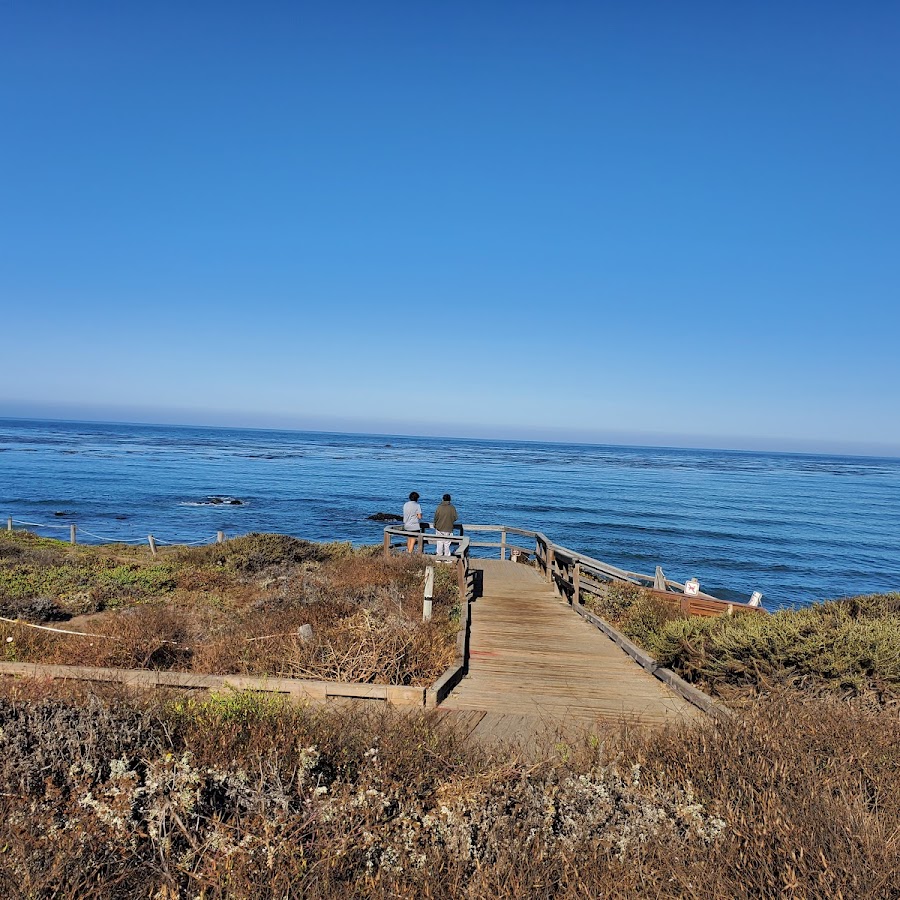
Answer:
(385, 517)
(120, 517)
(60, 512)
(224, 501)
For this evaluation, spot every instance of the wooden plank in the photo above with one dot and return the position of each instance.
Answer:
(405, 695)
(530, 658)
(295, 687)
(442, 687)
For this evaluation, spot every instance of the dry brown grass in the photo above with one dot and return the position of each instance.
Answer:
(234, 608)
(122, 797)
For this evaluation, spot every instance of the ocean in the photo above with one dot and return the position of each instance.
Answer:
(797, 527)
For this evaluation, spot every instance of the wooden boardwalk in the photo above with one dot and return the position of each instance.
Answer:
(535, 665)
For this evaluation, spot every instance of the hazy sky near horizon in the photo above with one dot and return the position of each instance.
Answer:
(640, 222)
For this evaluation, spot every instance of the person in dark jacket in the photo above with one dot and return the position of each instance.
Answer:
(445, 516)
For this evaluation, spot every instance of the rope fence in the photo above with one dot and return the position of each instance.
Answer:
(153, 540)
(25, 624)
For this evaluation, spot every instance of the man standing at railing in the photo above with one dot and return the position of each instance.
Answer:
(445, 517)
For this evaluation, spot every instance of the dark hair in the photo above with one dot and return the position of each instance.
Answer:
(446, 496)
(413, 496)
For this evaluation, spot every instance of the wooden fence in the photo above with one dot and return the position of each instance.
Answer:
(570, 572)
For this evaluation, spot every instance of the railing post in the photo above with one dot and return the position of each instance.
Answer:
(420, 543)
(220, 537)
(549, 564)
(9, 524)
(73, 529)
(503, 544)
(387, 545)
(659, 580)
(152, 542)
(576, 583)
(428, 594)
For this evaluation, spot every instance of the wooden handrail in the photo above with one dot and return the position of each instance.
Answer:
(552, 557)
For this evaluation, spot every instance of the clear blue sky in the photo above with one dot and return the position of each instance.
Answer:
(671, 223)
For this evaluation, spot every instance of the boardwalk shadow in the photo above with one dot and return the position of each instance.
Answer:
(477, 576)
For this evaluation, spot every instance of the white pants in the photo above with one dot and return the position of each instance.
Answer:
(442, 548)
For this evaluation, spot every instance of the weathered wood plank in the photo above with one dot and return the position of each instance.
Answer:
(531, 658)
(295, 687)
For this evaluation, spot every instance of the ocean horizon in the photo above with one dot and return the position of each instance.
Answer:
(799, 527)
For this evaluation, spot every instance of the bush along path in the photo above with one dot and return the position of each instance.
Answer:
(847, 648)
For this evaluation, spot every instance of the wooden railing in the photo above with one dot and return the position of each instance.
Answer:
(459, 556)
(570, 572)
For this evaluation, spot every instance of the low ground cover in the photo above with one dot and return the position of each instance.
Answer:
(848, 648)
(232, 608)
(117, 796)
(111, 794)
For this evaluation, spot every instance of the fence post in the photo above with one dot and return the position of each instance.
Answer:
(503, 544)
(220, 537)
(387, 545)
(549, 564)
(429, 593)
(9, 524)
(72, 534)
(576, 582)
(659, 580)
(152, 543)
(420, 543)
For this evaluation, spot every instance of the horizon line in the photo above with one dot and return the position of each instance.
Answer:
(399, 434)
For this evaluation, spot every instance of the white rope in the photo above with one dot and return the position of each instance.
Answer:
(164, 543)
(107, 637)
(58, 630)
(112, 540)
(266, 637)
(38, 524)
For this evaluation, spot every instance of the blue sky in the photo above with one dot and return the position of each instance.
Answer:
(628, 222)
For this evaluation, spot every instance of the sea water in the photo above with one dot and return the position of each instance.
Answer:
(797, 527)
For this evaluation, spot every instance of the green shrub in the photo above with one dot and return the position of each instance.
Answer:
(646, 618)
(254, 553)
(845, 646)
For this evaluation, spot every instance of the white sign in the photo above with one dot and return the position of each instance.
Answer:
(692, 588)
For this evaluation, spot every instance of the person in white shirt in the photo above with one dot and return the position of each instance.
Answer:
(412, 515)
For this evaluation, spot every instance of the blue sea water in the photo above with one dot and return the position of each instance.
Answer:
(797, 527)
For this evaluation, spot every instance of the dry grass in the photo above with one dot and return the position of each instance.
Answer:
(240, 796)
(234, 608)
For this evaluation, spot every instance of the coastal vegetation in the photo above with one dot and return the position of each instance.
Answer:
(115, 795)
(230, 608)
(112, 793)
(848, 648)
